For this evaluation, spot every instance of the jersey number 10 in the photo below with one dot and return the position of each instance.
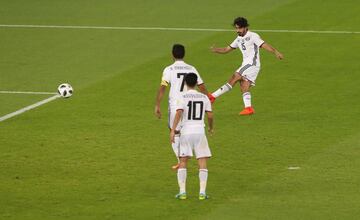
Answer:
(192, 105)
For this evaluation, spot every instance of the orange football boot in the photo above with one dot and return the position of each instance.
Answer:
(247, 111)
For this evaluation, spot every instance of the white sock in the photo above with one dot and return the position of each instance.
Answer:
(181, 175)
(223, 89)
(175, 146)
(247, 99)
(203, 175)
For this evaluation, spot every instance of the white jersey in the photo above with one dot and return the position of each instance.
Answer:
(249, 46)
(194, 104)
(174, 75)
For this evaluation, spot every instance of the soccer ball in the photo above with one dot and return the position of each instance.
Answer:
(65, 90)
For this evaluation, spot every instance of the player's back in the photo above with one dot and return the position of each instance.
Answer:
(174, 75)
(194, 105)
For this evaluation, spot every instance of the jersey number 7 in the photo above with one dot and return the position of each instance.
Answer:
(179, 75)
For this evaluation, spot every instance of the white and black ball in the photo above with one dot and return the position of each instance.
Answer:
(65, 90)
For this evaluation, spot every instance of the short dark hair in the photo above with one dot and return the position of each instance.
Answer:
(191, 79)
(241, 22)
(178, 51)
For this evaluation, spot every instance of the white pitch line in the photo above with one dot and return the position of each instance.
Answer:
(168, 29)
(309, 31)
(109, 27)
(27, 92)
(20, 111)
(293, 168)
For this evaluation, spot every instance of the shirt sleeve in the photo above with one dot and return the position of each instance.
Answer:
(199, 80)
(257, 40)
(180, 103)
(208, 105)
(165, 80)
(234, 44)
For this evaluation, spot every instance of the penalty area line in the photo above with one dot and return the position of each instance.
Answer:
(27, 92)
(27, 108)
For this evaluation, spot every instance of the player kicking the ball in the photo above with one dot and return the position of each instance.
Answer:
(190, 110)
(249, 43)
(173, 75)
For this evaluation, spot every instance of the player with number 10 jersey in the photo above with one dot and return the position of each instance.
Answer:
(190, 112)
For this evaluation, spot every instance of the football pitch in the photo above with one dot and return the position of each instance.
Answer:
(102, 154)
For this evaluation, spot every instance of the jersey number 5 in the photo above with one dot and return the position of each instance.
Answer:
(243, 46)
(192, 110)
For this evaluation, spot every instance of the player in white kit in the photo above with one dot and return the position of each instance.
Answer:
(174, 76)
(249, 43)
(190, 112)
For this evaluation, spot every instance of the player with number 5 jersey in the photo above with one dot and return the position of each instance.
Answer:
(249, 44)
(174, 76)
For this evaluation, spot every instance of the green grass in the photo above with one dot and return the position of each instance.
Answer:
(103, 155)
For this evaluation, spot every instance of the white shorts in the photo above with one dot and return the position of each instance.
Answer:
(171, 118)
(249, 72)
(196, 142)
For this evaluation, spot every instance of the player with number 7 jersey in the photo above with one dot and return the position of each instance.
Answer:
(174, 76)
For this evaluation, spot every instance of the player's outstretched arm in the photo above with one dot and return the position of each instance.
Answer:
(210, 117)
(203, 89)
(178, 115)
(159, 96)
(271, 49)
(221, 50)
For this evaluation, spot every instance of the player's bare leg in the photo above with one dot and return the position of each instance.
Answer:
(203, 175)
(181, 176)
(228, 86)
(175, 167)
(175, 146)
(245, 89)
